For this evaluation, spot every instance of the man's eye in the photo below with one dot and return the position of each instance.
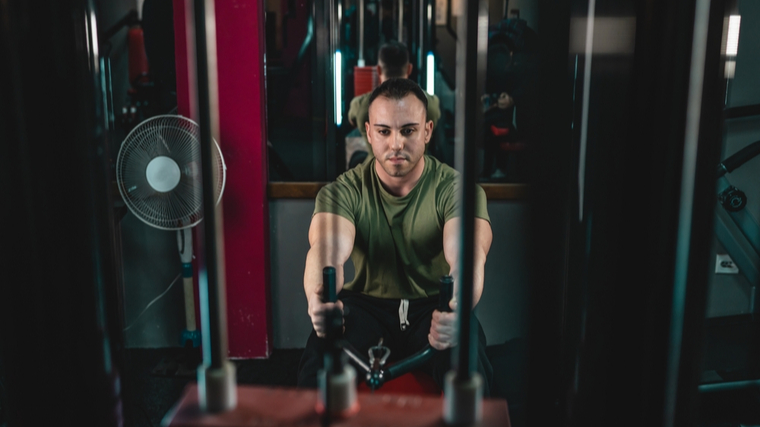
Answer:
(383, 132)
(407, 132)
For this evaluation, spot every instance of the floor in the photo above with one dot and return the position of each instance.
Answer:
(149, 391)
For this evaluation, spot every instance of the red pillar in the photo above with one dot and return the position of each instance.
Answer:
(242, 127)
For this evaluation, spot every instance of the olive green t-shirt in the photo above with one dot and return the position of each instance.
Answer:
(358, 112)
(398, 249)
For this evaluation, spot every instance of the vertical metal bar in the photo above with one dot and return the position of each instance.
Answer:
(107, 88)
(421, 51)
(361, 33)
(380, 21)
(470, 69)
(330, 148)
(321, 107)
(211, 277)
(401, 21)
(686, 206)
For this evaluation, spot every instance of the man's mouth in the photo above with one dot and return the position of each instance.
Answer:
(397, 158)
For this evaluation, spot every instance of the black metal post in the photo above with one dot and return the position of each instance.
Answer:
(619, 281)
(471, 60)
(59, 261)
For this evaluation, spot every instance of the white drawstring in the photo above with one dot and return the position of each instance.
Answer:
(403, 311)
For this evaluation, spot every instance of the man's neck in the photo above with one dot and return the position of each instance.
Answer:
(400, 186)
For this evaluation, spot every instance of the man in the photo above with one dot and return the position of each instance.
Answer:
(393, 62)
(396, 216)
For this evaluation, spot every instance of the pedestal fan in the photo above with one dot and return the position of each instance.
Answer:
(158, 172)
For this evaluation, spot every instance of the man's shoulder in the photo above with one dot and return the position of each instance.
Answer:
(355, 177)
(343, 195)
(441, 173)
(439, 166)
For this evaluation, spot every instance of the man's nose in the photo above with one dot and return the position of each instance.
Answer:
(397, 142)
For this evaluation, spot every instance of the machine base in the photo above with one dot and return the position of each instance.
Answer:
(295, 407)
(463, 399)
(217, 390)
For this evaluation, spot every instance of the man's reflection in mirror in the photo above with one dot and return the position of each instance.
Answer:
(509, 102)
(393, 62)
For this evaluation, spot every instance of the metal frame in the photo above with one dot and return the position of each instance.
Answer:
(213, 304)
(470, 75)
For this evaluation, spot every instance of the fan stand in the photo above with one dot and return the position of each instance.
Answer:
(157, 175)
(190, 335)
(163, 174)
(185, 363)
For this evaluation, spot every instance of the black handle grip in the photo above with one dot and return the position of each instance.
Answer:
(739, 158)
(328, 285)
(446, 293)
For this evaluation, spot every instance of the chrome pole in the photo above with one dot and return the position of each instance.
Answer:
(401, 21)
(463, 388)
(216, 376)
(361, 33)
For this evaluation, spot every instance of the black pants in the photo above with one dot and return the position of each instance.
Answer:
(367, 319)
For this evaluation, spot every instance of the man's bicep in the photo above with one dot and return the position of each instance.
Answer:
(452, 236)
(451, 241)
(483, 235)
(334, 233)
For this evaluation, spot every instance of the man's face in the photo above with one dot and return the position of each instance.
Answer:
(398, 132)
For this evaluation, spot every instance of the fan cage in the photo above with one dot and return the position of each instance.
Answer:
(178, 138)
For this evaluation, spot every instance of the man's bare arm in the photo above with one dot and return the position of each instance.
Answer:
(451, 248)
(443, 325)
(332, 239)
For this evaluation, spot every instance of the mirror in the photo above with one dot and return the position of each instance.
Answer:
(321, 56)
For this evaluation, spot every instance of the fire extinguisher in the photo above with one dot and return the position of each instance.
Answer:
(138, 60)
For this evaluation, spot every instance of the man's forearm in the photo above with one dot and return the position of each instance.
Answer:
(478, 279)
(316, 260)
(483, 238)
(331, 238)
(477, 282)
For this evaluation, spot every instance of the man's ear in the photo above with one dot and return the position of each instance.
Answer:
(366, 129)
(379, 71)
(409, 67)
(428, 131)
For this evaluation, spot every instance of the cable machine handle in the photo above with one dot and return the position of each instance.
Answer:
(328, 285)
(739, 158)
(445, 294)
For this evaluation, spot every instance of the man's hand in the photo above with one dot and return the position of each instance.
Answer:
(443, 329)
(318, 311)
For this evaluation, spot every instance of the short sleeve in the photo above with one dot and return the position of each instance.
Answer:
(451, 203)
(338, 198)
(481, 204)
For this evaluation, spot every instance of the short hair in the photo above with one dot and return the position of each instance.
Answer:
(393, 58)
(399, 88)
